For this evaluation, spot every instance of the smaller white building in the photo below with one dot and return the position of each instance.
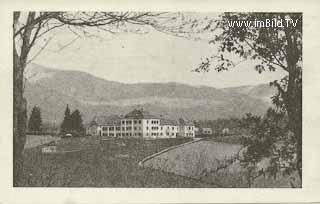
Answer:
(186, 128)
(169, 128)
(207, 131)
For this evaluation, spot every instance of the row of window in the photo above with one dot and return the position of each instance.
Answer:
(161, 128)
(130, 122)
(118, 128)
(121, 134)
(140, 134)
(190, 128)
(111, 128)
(137, 128)
(153, 121)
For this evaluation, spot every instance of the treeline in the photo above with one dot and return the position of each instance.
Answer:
(72, 123)
(236, 126)
(218, 125)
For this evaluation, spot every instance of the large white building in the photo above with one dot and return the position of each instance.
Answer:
(139, 123)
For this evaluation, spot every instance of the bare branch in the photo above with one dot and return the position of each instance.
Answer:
(41, 49)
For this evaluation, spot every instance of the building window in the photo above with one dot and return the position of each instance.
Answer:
(128, 128)
(118, 128)
(139, 121)
(123, 129)
(154, 122)
(111, 128)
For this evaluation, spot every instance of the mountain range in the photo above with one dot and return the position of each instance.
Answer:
(52, 89)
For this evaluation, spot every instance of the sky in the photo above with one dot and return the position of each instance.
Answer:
(149, 57)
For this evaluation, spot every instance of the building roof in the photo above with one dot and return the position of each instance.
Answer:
(188, 123)
(183, 122)
(168, 122)
(139, 114)
(206, 128)
(113, 120)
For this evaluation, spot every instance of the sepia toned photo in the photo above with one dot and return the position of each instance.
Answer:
(129, 99)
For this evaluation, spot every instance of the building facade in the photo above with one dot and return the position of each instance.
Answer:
(139, 124)
(207, 131)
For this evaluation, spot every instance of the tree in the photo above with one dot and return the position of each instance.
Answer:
(270, 48)
(35, 120)
(66, 123)
(76, 122)
(28, 29)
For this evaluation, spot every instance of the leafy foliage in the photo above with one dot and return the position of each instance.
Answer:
(270, 48)
(270, 138)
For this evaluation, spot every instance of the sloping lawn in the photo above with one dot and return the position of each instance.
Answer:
(216, 162)
(195, 159)
(109, 163)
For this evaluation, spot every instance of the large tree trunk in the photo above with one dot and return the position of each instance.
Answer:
(293, 102)
(19, 121)
(19, 102)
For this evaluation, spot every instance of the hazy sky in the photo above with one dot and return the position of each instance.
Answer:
(151, 57)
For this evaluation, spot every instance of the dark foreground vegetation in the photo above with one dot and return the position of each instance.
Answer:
(105, 163)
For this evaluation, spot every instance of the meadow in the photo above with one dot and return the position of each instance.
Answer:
(91, 162)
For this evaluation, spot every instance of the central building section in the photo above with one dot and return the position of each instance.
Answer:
(140, 123)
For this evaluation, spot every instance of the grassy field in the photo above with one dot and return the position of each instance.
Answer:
(109, 163)
(195, 159)
(216, 162)
(36, 140)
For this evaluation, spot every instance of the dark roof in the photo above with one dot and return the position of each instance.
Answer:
(189, 123)
(92, 123)
(183, 122)
(108, 120)
(139, 114)
(168, 122)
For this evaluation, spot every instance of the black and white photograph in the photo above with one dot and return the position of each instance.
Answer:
(128, 99)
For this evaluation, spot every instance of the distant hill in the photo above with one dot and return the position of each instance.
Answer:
(52, 89)
(261, 91)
